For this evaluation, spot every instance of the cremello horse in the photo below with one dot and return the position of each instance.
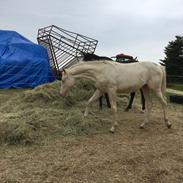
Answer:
(111, 77)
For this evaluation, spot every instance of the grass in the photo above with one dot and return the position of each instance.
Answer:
(44, 138)
(176, 86)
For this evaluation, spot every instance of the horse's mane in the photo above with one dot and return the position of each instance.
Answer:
(94, 62)
(93, 57)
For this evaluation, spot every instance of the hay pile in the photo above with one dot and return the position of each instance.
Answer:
(29, 116)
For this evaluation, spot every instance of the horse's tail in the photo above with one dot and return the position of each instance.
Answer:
(163, 84)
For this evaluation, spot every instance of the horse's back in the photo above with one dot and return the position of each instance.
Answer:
(131, 77)
(124, 77)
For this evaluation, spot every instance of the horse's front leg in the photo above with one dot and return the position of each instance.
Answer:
(94, 97)
(112, 98)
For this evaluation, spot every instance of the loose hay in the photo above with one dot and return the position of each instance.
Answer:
(74, 149)
(39, 113)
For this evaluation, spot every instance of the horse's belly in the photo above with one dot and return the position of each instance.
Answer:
(128, 88)
(131, 83)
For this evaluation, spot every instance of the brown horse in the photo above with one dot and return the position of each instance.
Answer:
(111, 77)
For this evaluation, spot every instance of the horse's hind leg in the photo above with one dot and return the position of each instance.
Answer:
(112, 98)
(107, 100)
(142, 100)
(164, 106)
(132, 95)
(148, 103)
(100, 102)
(94, 97)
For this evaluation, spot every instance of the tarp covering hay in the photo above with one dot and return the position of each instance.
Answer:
(29, 115)
(23, 64)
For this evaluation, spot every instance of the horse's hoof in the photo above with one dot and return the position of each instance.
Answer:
(169, 125)
(85, 115)
(111, 130)
(141, 126)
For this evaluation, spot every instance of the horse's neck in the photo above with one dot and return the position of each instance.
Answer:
(85, 70)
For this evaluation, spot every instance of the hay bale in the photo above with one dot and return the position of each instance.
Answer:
(13, 133)
(81, 91)
(44, 92)
(34, 114)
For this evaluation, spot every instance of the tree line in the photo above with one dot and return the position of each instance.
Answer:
(174, 60)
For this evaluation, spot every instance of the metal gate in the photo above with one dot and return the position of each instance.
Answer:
(64, 47)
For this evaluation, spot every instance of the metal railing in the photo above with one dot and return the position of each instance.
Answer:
(64, 46)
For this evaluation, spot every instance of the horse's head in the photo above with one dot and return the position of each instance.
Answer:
(67, 82)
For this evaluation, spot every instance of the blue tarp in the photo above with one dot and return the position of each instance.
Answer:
(23, 64)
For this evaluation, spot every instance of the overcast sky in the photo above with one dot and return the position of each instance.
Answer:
(140, 28)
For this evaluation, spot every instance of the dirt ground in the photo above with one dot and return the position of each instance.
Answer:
(45, 139)
(131, 155)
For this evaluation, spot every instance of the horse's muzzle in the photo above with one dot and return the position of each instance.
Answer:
(63, 94)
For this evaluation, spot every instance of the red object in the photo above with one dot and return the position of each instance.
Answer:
(124, 56)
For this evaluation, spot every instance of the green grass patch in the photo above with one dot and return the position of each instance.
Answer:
(176, 86)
